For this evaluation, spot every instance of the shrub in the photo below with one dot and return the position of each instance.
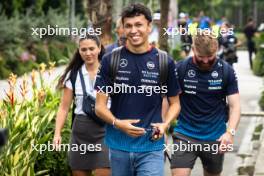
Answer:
(55, 162)
(176, 53)
(261, 101)
(42, 54)
(69, 49)
(31, 122)
(16, 39)
(3, 71)
(56, 51)
(258, 62)
(258, 66)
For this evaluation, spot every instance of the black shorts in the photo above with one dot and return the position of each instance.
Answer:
(185, 157)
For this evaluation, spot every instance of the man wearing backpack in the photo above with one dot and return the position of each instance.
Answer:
(135, 128)
(209, 99)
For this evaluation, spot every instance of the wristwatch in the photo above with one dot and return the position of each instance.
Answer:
(232, 131)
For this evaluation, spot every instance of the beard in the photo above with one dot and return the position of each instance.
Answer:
(205, 66)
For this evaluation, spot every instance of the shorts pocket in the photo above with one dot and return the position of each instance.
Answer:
(179, 147)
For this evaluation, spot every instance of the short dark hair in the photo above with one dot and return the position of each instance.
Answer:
(136, 9)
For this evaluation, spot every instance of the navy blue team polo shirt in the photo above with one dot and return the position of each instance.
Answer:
(136, 70)
(203, 112)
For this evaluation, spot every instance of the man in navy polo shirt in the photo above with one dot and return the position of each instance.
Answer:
(132, 115)
(204, 111)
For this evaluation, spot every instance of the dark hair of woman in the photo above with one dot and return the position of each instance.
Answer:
(77, 61)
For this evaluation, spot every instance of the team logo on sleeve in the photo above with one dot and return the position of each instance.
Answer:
(176, 71)
(123, 62)
(150, 65)
(191, 73)
(235, 75)
(214, 74)
(219, 64)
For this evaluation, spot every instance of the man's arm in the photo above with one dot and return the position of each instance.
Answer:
(165, 107)
(101, 109)
(234, 118)
(104, 113)
(173, 111)
(234, 110)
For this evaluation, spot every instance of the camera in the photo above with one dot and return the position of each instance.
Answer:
(229, 50)
(3, 136)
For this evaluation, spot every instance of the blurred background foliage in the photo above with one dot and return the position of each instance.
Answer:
(20, 50)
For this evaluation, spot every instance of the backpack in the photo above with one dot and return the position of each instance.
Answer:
(182, 71)
(114, 63)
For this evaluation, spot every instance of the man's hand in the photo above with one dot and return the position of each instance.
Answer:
(162, 127)
(127, 127)
(225, 140)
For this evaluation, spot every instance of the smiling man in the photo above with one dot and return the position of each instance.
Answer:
(134, 116)
(206, 82)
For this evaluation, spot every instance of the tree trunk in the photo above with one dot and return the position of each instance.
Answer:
(255, 11)
(100, 14)
(241, 24)
(164, 10)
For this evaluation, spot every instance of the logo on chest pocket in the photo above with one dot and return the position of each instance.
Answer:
(191, 73)
(123, 62)
(214, 74)
(150, 65)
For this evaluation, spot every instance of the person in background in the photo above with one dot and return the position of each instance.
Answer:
(154, 35)
(204, 21)
(121, 39)
(249, 31)
(228, 43)
(186, 38)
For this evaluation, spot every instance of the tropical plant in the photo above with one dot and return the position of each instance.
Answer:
(30, 122)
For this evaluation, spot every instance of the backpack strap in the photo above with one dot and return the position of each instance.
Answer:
(163, 68)
(225, 73)
(82, 82)
(73, 77)
(114, 63)
(225, 84)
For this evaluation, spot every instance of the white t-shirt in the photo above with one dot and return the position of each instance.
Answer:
(89, 84)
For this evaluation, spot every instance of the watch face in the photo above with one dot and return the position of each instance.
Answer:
(232, 131)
